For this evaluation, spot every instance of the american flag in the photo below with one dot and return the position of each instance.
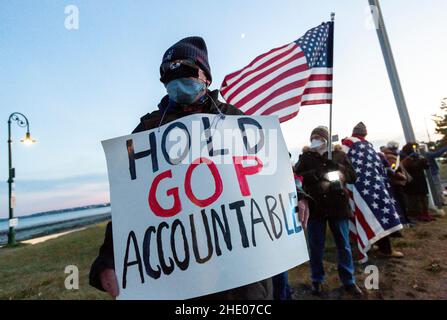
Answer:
(283, 79)
(375, 213)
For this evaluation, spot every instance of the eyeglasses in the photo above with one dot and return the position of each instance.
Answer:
(173, 65)
(183, 68)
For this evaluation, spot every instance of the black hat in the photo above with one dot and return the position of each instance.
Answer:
(192, 48)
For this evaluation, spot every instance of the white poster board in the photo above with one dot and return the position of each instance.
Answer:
(184, 227)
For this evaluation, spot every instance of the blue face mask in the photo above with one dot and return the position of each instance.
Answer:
(185, 91)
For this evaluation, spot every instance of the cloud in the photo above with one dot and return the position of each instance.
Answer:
(34, 196)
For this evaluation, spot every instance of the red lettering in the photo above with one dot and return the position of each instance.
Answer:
(218, 185)
(242, 172)
(155, 205)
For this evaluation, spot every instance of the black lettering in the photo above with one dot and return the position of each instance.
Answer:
(225, 230)
(167, 269)
(242, 122)
(209, 140)
(183, 265)
(195, 244)
(257, 220)
(151, 272)
(163, 143)
(243, 231)
(131, 263)
(272, 215)
(139, 155)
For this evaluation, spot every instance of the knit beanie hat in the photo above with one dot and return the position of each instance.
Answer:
(360, 130)
(322, 132)
(193, 48)
(393, 145)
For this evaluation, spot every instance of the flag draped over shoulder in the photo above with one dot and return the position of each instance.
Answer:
(280, 81)
(375, 213)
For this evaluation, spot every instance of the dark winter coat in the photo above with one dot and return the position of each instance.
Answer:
(168, 112)
(400, 177)
(416, 166)
(326, 202)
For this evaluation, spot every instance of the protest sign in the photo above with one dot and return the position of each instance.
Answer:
(202, 205)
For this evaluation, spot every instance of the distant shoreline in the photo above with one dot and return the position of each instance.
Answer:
(55, 227)
(58, 211)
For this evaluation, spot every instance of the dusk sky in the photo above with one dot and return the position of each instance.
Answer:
(79, 87)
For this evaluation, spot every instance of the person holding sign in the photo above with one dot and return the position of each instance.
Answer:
(325, 181)
(186, 74)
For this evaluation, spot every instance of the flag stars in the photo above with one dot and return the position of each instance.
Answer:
(314, 45)
(385, 220)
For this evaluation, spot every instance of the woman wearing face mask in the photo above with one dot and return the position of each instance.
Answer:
(325, 180)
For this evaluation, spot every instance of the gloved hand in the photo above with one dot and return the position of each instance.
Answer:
(331, 165)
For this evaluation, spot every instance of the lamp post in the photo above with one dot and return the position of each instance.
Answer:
(22, 122)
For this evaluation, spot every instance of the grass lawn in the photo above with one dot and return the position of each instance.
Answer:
(37, 271)
(422, 274)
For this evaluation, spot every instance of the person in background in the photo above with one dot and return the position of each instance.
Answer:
(324, 181)
(338, 147)
(434, 177)
(281, 287)
(398, 177)
(372, 184)
(416, 190)
(185, 72)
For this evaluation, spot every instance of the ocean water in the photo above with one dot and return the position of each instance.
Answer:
(47, 223)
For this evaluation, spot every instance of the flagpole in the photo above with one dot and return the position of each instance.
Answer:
(392, 72)
(395, 81)
(330, 106)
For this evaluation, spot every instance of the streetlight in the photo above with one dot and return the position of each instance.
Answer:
(22, 122)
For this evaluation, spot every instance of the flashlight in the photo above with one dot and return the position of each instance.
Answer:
(333, 176)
